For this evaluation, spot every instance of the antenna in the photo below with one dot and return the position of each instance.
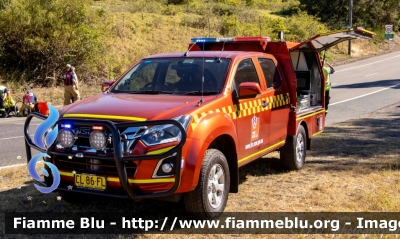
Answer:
(202, 80)
(187, 52)
(223, 47)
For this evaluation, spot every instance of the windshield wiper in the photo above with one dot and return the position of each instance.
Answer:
(199, 92)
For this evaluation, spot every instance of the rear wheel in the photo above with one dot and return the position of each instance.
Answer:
(293, 153)
(210, 196)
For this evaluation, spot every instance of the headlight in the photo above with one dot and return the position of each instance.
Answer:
(66, 138)
(97, 140)
(161, 134)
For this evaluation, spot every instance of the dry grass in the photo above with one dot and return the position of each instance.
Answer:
(352, 167)
(55, 95)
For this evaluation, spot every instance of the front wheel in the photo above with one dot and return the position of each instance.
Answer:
(209, 198)
(293, 153)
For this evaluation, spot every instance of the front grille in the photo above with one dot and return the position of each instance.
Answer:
(93, 166)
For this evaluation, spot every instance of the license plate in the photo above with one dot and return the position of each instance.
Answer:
(90, 181)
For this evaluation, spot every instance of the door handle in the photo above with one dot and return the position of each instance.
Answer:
(264, 104)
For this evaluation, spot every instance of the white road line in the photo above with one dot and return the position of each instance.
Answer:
(5, 121)
(372, 74)
(16, 137)
(11, 137)
(24, 123)
(366, 64)
(17, 165)
(12, 166)
(364, 95)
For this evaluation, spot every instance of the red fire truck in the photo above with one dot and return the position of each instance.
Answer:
(179, 125)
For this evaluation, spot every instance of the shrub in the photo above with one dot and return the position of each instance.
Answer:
(224, 9)
(39, 37)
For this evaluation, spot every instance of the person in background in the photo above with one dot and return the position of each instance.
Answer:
(9, 103)
(28, 103)
(328, 70)
(71, 91)
(3, 96)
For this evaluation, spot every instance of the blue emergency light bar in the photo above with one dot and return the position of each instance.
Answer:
(229, 39)
(66, 126)
(213, 39)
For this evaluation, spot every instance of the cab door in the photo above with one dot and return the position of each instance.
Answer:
(278, 99)
(252, 114)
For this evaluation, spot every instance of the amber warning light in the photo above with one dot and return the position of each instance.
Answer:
(98, 128)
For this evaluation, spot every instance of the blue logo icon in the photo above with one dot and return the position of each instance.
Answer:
(44, 137)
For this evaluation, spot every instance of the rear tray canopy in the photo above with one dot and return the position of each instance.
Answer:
(324, 41)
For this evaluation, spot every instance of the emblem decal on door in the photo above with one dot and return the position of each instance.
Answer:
(255, 129)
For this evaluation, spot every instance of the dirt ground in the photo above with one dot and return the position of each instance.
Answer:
(352, 167)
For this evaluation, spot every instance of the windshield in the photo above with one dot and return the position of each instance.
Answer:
(174, 76)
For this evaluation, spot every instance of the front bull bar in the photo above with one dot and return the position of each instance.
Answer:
(118, 157)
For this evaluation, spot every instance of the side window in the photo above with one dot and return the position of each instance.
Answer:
(246, 72)
(271, 74)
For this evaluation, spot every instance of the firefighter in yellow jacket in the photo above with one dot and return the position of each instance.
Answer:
(9, 104)
(71, 91)
(328, 70)
(3, 95)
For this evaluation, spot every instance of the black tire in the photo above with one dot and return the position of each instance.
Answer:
(293, 153)
(198, 201)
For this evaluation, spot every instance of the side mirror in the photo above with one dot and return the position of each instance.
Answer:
(106, 85)
(332, 71)
(249, 88)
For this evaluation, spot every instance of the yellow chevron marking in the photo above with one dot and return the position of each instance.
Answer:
(261, 151)
(193, 125)
(195, 118)
(321, 111)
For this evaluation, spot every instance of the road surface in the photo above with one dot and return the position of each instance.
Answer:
(357, 88)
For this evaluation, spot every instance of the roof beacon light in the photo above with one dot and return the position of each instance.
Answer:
(212, 39)
(229, 39)
(66, 126)
(268, 39)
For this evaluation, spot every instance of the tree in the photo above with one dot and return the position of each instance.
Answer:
(38, 37)
(368, 13)
(334, 13)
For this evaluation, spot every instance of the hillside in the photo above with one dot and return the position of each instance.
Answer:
(102, 38)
